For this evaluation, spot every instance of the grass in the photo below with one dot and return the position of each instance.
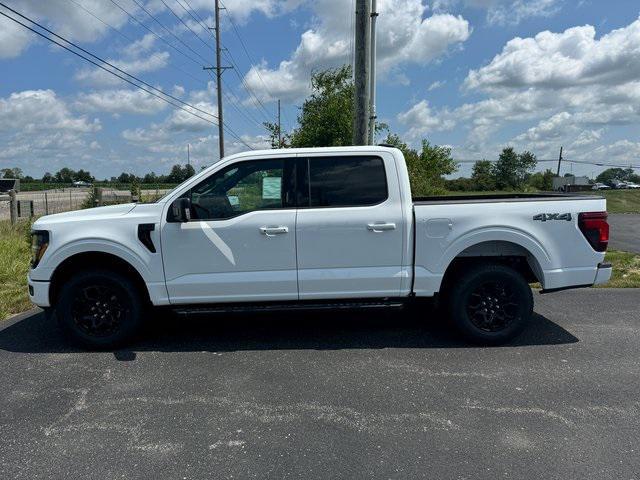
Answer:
(621, 201)
(626, 270)
(15, 253)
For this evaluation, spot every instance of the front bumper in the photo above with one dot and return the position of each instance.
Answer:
(603, 274)
(38, 292)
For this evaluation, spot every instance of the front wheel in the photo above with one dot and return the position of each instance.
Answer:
(99, 309)
(490, 304)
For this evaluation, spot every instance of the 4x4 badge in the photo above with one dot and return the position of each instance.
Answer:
(543, 217)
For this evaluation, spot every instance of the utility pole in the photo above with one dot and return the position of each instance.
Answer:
(219, 69)
(559, 162)
(279, 127)
(361, 72)
(372, 75)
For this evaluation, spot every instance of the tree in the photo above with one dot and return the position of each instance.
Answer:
(326, 116)
(176, 175)
(65, 175)
(84, 176)
(511, 169)
(483, 176)
(47, 178)
(15, 172)
(611, 174)
(427, 167)
(542, 180)
(188, 172)
(125, 178)
(150, 178)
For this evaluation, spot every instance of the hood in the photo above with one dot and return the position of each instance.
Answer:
(97, 213)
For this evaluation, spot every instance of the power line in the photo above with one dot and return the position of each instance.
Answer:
(130, 39)
(167, 30)
(185, 24)
(193, 13)
(110, 64)
(104, 68)
(150, 92)
(197, 62)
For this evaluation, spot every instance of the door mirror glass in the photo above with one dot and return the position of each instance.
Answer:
(181, 210)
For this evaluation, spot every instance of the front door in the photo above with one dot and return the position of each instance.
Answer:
(350, 233)
(240, 243)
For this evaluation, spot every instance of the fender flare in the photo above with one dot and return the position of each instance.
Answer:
(98, 246)
(493, 234)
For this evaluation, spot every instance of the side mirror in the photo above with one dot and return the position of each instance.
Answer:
(181, 210)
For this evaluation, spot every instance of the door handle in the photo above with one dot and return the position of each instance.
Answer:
(381, 227)
(271, 231)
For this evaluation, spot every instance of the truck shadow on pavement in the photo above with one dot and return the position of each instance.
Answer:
(284, 331)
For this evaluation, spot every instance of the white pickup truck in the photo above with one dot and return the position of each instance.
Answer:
(313, 228)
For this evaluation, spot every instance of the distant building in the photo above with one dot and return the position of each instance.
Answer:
(571, 183)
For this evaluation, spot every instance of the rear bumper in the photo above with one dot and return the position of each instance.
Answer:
(38, 292)
(603, 274)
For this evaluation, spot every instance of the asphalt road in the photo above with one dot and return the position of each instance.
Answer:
(625, 232)
(330, 396)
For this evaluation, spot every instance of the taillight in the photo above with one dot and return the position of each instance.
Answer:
(595, 228)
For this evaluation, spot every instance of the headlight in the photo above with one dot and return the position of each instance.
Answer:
(39, 244)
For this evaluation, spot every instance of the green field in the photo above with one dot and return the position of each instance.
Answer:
(38, 186)
(621, 201)
(15, 254)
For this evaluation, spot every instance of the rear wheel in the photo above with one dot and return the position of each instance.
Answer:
(99, 309)
(490, 304)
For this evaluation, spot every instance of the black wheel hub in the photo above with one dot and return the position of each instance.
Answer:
(98, 311)
(492, 306)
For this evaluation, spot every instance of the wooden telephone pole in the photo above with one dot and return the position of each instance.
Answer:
(559, 162)
(219, 69)
(361, 72)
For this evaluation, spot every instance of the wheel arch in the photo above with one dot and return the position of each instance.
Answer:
(95, 260)
(499, 251)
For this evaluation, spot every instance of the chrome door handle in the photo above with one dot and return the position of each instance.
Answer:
(380, 227)
(271, 231)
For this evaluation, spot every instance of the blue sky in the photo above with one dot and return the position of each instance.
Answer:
(476, 75)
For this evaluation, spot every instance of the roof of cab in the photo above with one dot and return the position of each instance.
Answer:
(293, 151)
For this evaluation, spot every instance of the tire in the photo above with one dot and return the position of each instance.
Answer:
(490, 304)
(99, 309)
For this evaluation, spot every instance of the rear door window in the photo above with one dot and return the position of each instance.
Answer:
(347, 181)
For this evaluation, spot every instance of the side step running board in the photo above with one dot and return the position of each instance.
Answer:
(276, 307)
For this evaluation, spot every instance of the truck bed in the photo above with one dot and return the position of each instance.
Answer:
(501, 197)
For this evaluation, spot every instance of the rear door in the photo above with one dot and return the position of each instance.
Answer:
(349, 227)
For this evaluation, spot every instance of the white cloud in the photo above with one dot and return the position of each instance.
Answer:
(514, 12)
(64, 16)
(422, 120)
(504, 12)
(404, 36)
(33, 111)
(99, 77)
(169, 135)
(436, 84)
(240, 10)
(38, 130)
(559, 60)
(119, 101)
